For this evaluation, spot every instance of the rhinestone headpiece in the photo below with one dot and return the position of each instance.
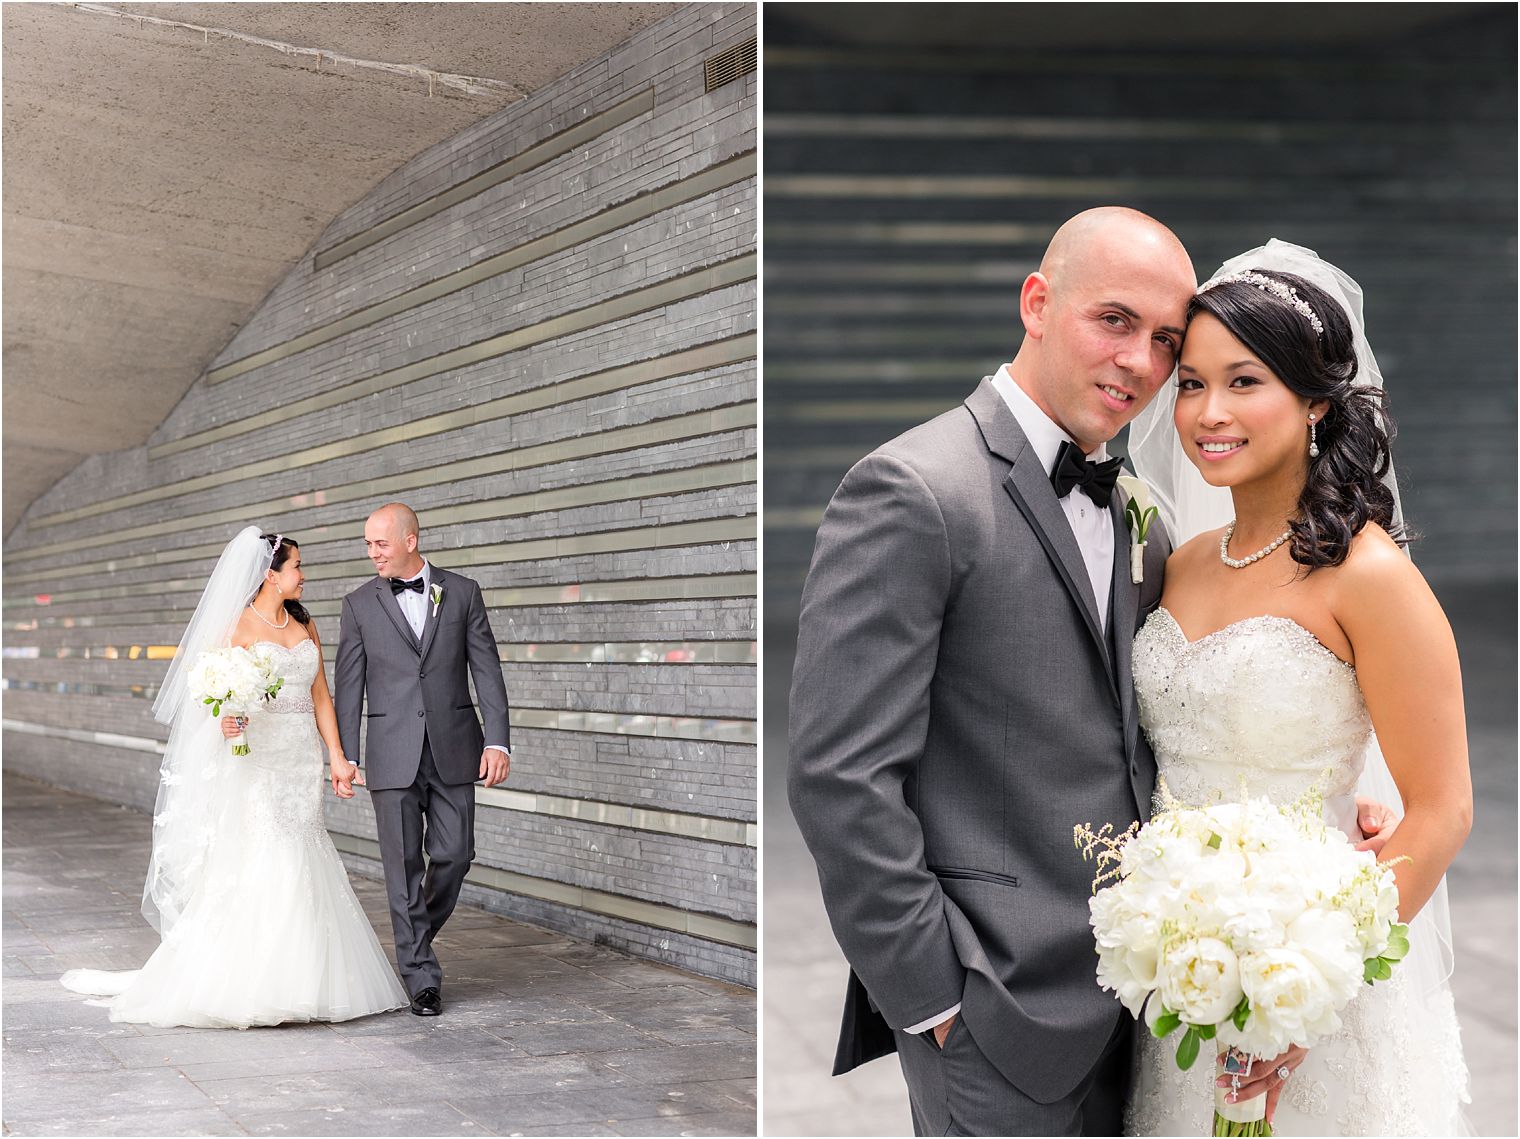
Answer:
(1279, 289)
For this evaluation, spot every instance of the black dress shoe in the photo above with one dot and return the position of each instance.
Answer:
(429, 1002)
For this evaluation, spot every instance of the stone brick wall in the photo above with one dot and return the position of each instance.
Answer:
(572, 414)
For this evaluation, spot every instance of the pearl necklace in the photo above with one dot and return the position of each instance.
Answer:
(267, 621)
(1241, 563)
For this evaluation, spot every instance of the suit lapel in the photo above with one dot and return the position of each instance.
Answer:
(1028, 484)
(430, 619)
(1126, 609)
(392, 608)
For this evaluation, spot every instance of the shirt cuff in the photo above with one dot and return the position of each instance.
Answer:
(506, 751)
(925, 1025)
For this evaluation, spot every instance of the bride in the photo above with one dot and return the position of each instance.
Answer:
(258, 922)
(1297, 646)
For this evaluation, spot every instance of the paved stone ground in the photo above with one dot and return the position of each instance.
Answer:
(804, 972)
(541, 1035)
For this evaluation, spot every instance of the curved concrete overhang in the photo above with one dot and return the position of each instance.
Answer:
(167, 164)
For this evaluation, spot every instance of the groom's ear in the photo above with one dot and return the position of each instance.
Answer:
(1034, 300)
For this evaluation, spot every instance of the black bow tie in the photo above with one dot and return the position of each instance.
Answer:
(398, 586)
(1073, 470)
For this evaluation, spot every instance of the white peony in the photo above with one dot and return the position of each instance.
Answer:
(1199, 979)
(1212, 904)
(1291, 1003)
(229, 677)
(1328, 940)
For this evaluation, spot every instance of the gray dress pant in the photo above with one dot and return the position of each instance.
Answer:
(955, 1090)
(439, 818)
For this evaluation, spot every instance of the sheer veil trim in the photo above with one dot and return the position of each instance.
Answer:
(1189, 506)
(191, 777)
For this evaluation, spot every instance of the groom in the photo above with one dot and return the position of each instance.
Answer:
(962, 698)
(406, 639)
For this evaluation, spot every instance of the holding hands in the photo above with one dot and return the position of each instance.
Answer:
(343, 776)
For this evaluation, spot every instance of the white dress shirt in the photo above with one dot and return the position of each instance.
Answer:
(1090, 524)
(414, 607)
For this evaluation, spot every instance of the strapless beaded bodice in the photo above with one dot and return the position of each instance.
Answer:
(298, 665)
(1259, 707)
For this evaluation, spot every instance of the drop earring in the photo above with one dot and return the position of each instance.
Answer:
(1313, 444)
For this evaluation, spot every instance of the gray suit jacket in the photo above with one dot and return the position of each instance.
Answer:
(415, 688)
(956, 708)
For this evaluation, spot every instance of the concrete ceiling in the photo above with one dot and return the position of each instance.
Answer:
(160, 179)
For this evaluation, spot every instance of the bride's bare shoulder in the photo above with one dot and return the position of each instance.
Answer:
(1375, 561)
(1377, 579)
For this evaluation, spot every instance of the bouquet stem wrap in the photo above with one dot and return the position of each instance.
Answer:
(1248, 1117)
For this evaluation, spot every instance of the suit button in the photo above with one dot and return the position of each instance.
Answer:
(422, 676)
(419, 713)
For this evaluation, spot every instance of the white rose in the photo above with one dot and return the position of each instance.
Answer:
(1199, 979)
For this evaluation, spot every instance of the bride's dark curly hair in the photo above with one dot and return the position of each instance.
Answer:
(282, 550)
(1344, 490)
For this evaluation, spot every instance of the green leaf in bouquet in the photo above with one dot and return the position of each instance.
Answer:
(1206, 1031)
(1398, 943)
(1165, 1023)
(1187, 1050)
(1214, 841)
(1241, 1014)
(1377, 969)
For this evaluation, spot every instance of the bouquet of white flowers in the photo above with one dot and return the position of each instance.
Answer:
(1242, 923)
(235, 679)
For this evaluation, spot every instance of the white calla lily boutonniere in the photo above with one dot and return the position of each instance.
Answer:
(1139, 513)
(437, 593)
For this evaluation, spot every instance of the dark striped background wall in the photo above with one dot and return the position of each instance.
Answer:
(908, 193)
(541, 334)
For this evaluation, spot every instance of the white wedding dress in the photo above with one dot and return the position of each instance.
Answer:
(273, 933)
(1261, 706)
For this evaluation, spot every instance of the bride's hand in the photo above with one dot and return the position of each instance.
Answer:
(1376, 823)
(232, 726)
(344, 775)
(1264, 1078)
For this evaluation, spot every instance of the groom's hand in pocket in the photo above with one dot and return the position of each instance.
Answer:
(494, 765)
(942, 1029)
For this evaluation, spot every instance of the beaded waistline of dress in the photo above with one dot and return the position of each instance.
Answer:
(288, 704)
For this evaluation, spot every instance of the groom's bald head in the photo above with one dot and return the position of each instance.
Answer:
(1090, 240)
(1103, 320)
(391, 540)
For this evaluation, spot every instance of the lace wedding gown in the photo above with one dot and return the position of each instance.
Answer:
(274, 934)
(1261, 706)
